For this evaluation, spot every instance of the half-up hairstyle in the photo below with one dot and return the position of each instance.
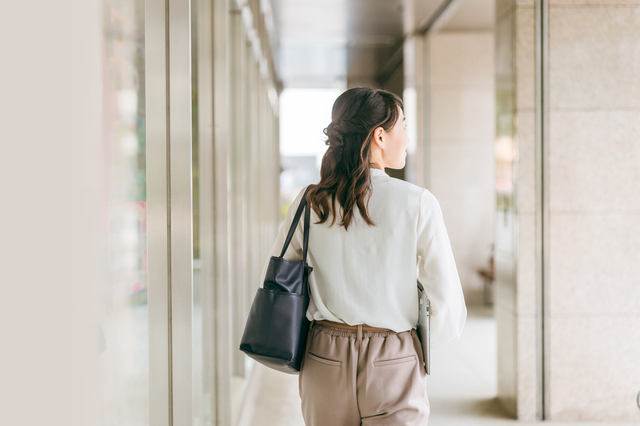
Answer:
(344, 173)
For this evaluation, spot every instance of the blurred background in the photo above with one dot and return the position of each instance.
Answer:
(166, 139)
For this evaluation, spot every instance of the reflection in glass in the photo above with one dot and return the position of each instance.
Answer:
(124, 365)
(505, 157)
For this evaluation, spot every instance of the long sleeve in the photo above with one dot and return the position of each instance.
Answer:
(294, 251)
(438, 273)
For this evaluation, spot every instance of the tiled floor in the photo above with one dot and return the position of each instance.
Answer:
(461, 388)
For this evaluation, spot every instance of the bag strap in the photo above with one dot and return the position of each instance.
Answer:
(294, 224)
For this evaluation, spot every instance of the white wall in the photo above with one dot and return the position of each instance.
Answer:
(461, 136)
(50, 171)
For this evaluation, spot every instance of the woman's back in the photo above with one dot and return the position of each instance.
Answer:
(367, 274)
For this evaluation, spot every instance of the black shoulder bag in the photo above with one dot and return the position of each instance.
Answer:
(277, 327)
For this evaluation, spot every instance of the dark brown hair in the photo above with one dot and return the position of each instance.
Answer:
(344, 173)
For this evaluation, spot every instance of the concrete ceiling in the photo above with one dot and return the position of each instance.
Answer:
(325, 43)
(471, 15)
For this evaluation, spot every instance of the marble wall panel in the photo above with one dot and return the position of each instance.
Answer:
(594, 157)
(595, 264)
(462, 180)
(462, 113)
(525, 162)
(594, 56)
(463, 60)
(461, 88)
(594, 368)
(504, 63)
(594, 152)
(507, 358)
(505, 261)
(525, 55)
(526, 265)
(593, 2)
(527, 368)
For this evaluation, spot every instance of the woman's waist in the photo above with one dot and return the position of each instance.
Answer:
(345, 326)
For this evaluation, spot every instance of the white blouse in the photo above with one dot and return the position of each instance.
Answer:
(367, 275)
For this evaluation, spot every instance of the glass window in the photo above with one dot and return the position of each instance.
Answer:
(124, 365)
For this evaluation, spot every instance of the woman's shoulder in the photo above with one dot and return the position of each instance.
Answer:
(420, 200)
(411, 189)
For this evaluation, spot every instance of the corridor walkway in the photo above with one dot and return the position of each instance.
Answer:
(461, 388)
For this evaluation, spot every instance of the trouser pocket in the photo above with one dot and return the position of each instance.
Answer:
(393, 361)
(395, 376)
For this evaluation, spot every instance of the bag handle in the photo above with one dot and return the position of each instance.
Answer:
(294, 224)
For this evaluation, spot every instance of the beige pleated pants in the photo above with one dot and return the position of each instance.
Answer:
(356, 377)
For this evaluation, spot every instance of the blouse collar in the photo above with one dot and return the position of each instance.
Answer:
(377, 172)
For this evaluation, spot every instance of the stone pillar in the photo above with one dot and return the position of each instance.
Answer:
(567, 253)
(593, 324)
(515, 219)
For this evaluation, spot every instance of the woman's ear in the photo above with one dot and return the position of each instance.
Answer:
(378, 136)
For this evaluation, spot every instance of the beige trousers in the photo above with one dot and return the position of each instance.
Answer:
(356, 377)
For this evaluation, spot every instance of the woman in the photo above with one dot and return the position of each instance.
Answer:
(363, 360)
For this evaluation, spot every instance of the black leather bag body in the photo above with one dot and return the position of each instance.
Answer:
(277, 327)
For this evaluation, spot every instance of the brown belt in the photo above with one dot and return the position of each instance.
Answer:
(350, 327)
